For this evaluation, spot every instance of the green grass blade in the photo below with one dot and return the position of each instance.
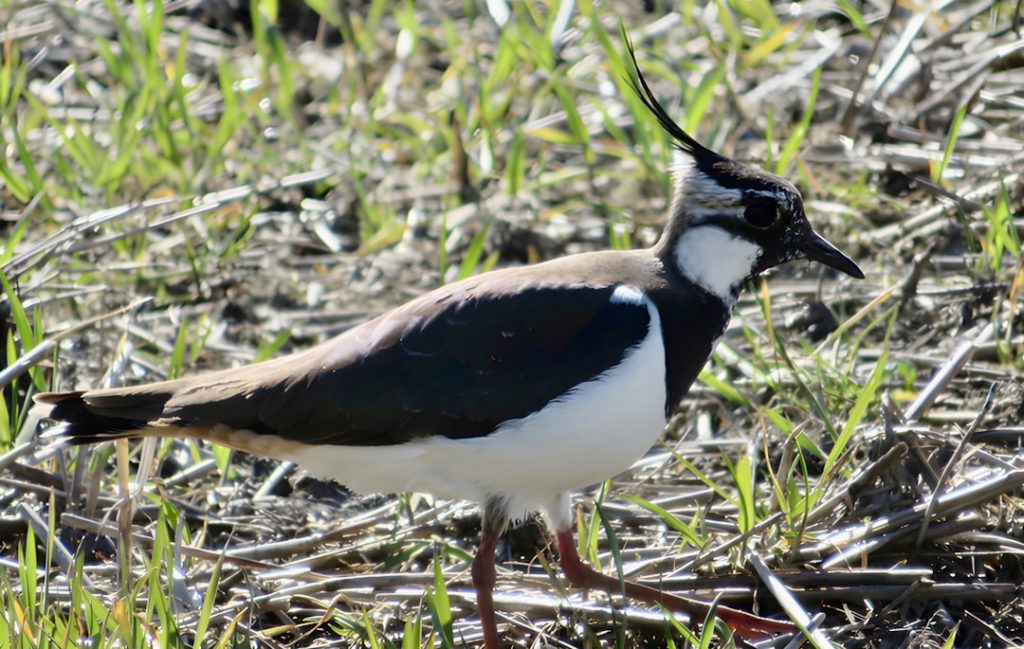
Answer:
(702, 98)
(799, 134)
(515, 169)
(209, 599)
(938, 171)
(589, 537)
(723, 388)
(21, 322)
(613, 544)
(867, 395)
(688, 533)
(440, 605)
(412, 634)
(177, 361)
(743, 477)
(951, 640)
(476, 250)
(268, 350)
(856, 19)
(689, 466)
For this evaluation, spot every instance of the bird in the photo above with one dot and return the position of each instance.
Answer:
(512, 388)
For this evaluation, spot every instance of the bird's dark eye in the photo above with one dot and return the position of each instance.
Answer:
(761, 215)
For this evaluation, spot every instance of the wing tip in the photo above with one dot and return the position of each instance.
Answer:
(75, 422)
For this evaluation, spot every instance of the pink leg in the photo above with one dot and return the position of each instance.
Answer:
(483, 581)
(743, 624)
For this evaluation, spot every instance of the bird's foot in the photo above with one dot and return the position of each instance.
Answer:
(745, 625)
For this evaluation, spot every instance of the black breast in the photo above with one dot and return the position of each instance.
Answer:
(691, 321)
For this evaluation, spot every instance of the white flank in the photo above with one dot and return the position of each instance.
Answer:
(716, 260)
(590, 433)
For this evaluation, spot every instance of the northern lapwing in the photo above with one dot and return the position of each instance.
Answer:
(511, 388)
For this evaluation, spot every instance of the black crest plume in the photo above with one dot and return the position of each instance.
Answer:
(683, 141)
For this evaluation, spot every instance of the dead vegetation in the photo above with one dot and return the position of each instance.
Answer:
(193, 188)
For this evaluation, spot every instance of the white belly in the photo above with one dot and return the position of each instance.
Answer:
(587, 435)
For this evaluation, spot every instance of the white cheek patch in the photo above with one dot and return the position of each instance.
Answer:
(716, 260)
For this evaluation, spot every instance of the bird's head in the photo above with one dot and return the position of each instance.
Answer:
(731, 221)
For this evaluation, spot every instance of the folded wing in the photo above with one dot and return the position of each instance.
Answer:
(456, 363)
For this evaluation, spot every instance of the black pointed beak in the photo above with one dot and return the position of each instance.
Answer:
(817, 248)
